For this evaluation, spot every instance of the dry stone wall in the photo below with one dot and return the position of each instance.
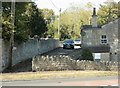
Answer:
(57, 63)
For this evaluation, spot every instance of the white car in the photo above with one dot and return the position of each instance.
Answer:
(77, 42)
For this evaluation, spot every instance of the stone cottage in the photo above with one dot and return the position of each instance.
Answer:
(102, 40)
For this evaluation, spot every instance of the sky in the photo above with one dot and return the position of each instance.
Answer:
(55, 5)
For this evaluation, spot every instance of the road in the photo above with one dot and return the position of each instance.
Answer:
(73, 53)
(81, 81)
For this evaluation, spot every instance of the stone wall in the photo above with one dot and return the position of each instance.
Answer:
(0, 54)
(5, 54)
(27, 50)
(56, 63)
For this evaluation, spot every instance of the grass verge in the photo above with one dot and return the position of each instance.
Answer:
(55, 74)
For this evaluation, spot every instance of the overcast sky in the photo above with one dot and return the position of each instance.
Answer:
(64, 4)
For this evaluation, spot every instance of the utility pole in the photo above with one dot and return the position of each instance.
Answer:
(12, 33)
(119, 35)
(0, 20)
(119, 9)
(59, 24)
(1, 36)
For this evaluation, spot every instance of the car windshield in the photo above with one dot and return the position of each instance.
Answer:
(68, 41)
(77, 40)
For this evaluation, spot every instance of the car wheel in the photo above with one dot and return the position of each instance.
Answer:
(73, 47)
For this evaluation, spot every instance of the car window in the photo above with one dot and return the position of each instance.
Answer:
(68, 41)
(77, 40)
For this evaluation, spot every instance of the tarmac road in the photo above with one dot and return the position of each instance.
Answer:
(81, 81)
(73, 53)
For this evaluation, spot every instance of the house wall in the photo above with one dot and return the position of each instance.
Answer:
(118, 39)
(111, 30)
(87, 39)
(92, 38)
(103, 57)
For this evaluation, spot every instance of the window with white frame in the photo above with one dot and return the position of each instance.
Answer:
(104, 39)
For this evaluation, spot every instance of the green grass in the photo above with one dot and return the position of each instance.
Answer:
(55, 74)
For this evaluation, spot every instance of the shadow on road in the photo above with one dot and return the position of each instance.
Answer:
(25, 66)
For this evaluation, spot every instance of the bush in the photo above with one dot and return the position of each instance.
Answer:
(87, 54)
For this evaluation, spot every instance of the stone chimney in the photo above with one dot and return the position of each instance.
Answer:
(94, 18)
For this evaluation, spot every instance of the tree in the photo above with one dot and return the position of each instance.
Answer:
(6, 20)
(47, 14)
(21, 27)
(49, 17)
(89, 5)
(36, 22)
(87, 54)
(71, 20)
(28, 21)
(107, 12)
(65, 33)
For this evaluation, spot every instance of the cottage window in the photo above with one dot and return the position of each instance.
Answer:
(104, 39)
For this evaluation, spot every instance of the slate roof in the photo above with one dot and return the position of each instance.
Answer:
(89, 27)
(99, 49)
